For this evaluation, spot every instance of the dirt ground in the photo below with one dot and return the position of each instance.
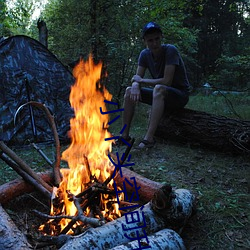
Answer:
(220, 182)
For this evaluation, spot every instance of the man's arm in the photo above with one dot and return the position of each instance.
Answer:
(135, 93)
(166, 80)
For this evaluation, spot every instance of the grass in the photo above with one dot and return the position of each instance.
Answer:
(234, 106)
(219, 180)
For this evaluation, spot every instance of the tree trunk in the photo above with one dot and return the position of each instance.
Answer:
(168, 209)
(212, 131)
(43, 32)
(10, 237)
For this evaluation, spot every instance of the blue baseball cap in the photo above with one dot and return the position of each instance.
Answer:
(149, 27)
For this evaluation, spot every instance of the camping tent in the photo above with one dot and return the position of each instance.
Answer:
(30, 72)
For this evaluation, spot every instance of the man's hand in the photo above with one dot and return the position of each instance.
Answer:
(135, 93)
(136, 78)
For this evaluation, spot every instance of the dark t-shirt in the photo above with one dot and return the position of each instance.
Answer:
(171, 56)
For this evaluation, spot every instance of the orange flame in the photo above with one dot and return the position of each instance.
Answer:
(88, 131)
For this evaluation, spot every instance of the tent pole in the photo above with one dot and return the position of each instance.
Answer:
(33, 125)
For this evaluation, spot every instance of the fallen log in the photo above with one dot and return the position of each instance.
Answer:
(161, 240)
(10, 237)
(15, 188)
(154, 216)
(18, 187)
(211, 131)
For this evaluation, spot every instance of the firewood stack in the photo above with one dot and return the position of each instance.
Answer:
(163, 213)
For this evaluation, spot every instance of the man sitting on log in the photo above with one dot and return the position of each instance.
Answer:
(168, 89)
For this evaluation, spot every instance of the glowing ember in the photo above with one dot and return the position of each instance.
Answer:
(87, 155)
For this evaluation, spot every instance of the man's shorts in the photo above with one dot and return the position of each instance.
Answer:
(175, 99)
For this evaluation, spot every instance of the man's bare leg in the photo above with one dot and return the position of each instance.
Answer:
(128, 114)
(156, 113)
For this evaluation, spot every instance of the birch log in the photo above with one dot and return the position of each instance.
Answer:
(10, 237)
(162, 240)
(157, 215)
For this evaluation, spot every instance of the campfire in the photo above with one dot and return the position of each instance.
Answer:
(86, 188)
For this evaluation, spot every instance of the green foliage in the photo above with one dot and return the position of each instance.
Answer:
(111, 31)
(20, 16)
(233, 72)
(4, 19)
(212, 36)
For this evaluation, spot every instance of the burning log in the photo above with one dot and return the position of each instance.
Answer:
(148, 187)
(10, 237)
(168, 209)
(162, 240)
(15, 188)
(216, 132)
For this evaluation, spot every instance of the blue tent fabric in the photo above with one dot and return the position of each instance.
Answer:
(29, 71)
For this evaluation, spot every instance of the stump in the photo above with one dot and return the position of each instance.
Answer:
(214, 132)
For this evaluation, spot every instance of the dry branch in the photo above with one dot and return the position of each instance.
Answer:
(25, 176)
(23, 165)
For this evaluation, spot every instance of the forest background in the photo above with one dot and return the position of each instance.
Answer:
(212, 36)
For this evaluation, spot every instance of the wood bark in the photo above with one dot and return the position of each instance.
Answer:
(162, 240)
(18, 187)
(10, 237)
(15, 188)
(43, 32)
(212, 131)
(148, 187)
(157, 214)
